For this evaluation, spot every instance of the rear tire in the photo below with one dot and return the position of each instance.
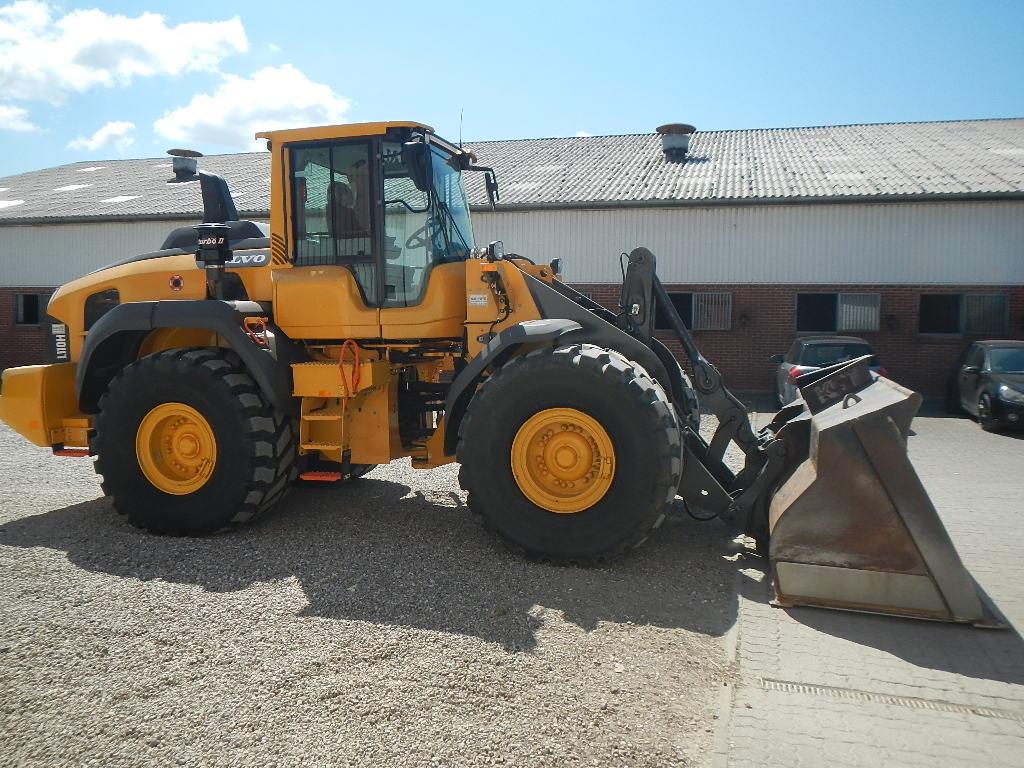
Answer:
(254, 447)
(630, 409)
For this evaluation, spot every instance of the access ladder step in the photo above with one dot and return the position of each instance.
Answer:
(321, 477)
(326, 416)
(321, 446)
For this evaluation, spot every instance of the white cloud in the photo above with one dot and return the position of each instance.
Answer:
(116, 134)
(272, 98)
(14, 118)
(583, 134)
(44, 56)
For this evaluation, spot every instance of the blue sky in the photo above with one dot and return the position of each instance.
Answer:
(96, 80)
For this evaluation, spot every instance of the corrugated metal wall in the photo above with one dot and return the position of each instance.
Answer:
(900, 243)
(905, 243)
(53, 254)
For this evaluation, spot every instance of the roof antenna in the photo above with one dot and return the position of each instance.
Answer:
(461, 110)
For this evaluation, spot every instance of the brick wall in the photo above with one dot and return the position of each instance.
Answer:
(764, 323)
(20, 344)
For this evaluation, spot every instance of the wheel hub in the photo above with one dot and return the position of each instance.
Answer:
(176, 448)
(563, 460)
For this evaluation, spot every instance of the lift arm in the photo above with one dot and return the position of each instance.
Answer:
(707, 482)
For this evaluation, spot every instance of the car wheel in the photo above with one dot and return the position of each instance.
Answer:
(985, 419)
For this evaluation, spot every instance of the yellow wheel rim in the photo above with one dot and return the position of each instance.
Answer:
(176, 448)
(563, 460)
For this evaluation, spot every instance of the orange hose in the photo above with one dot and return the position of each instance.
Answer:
(347, 345)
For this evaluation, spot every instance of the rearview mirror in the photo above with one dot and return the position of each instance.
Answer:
(491, 182)
(775, 359)
(416, 157)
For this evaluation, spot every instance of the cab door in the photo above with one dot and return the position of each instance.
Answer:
(332, 291)
(425, 245)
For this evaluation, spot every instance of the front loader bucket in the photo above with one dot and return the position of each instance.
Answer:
(852, 527)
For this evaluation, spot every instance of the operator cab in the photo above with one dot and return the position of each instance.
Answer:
(384, 200)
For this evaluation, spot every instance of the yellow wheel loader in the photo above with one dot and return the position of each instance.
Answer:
(363, 326)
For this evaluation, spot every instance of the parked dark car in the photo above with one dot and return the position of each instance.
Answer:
(809, 353)
(991, 383)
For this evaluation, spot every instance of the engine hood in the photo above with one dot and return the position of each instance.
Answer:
(1012, 380)
(167, 277)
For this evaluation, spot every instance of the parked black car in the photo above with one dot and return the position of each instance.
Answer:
(991, 383)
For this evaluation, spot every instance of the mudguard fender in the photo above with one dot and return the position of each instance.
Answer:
(114, 341)
(497, 351)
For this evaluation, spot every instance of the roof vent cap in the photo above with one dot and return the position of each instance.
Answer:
(675, 140)
(184, 163)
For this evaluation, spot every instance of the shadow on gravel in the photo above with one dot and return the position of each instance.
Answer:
(985, 654)
(376, 551)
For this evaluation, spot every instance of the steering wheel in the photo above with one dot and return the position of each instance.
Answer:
(421, 238)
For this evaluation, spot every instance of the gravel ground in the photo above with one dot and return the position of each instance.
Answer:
(374, 624)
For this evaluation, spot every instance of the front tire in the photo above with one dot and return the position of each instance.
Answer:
(985, 419)
(606, 423)
(187, 445)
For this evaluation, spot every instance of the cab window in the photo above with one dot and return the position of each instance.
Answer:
(332, 194)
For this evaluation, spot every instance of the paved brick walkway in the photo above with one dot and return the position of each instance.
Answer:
(825, 688)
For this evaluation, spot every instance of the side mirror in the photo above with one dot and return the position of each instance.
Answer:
(775, 359)
(491, 182)
(970, 369)
(416, 156)
(556, 266)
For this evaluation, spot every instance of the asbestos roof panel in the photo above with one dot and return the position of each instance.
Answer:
(958, 158)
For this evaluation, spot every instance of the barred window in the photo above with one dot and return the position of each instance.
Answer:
(832, 312)
(939, 313)
(954, 313)
(858, 311)
(30, 308)
(816, 312)
(683, 302)
(984, 313)
(712, 311)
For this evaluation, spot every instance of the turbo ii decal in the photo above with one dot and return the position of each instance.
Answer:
(249, 259)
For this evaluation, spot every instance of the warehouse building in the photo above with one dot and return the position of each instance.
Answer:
(910, 235)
